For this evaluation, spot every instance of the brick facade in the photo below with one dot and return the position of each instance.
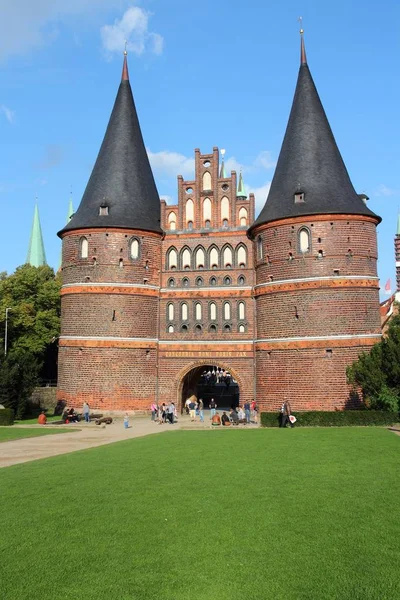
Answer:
(285, 322)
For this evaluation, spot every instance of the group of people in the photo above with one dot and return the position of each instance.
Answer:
(163, 413)
(217, 375)
(239, 416)
(71, 416)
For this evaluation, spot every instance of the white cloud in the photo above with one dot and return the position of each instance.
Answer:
(384, 190)
(8, 113)
(171, 163)
(132, 27)
(261, 194)
(264, 160)
(30, 24)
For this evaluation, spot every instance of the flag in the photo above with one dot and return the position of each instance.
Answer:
(388, 287)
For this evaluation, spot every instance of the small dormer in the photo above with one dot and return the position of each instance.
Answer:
(103, 209)
(299, 197)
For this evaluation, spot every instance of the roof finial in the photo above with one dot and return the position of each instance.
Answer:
(222, 173)
(303, 58)
(125, 74)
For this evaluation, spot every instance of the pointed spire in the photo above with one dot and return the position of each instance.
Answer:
(222, 173)
(125, 72)
(310, 176)
(121, 191)
(303, 58)
(398, 224)
(36, 254)
(70, 209)
(241, 191)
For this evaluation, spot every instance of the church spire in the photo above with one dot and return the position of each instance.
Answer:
(310, 176)
(241, 191)
(36, 255)
(121, 191)
(398, 224)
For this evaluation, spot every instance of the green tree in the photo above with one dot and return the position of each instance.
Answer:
(33, 296)
(377, 373)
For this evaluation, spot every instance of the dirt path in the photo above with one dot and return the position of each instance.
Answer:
(89, 436)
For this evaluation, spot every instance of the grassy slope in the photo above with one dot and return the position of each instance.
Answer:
(216, 515)
(16, 433)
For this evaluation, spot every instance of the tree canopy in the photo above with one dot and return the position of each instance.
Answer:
(377, 373)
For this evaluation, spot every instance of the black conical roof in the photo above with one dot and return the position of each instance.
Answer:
(310, 163)
(122, 178)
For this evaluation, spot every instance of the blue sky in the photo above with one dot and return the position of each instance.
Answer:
(203, 74)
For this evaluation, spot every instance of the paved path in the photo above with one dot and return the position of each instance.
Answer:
(89, 436)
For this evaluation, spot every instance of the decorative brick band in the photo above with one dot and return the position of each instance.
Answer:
(201, 292)
(337, 341)
(101, 288)
(315, 218)
(111, 342)
(312, 283)
(112, 230)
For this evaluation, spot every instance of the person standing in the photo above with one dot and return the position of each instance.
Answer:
(86, 412)
(192, 409)
(153, 411)
(201, 410)
(171, 412)
(247, 411)
(286, 411)
(213, 407)
(126, 421)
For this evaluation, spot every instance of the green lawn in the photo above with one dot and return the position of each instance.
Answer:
(34, 420)
(215, 515)
(16, 433)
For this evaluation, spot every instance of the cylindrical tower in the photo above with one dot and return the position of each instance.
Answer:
(317, 300)
(111, 274)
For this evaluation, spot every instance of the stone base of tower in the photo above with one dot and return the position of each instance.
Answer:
(311, 379)
(107, 378)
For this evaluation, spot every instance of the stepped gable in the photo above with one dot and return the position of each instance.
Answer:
(310, 163)
(121, 191)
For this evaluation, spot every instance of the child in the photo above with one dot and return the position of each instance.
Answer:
(126, 421)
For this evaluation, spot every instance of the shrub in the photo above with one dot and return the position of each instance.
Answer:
(335, 418)
(6, 416)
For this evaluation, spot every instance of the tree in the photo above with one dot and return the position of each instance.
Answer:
(377, 373)
(33, 296)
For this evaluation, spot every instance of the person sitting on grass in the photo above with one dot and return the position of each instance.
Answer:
(215, 420)
(234, 417)
(42, 419)
(225, 420)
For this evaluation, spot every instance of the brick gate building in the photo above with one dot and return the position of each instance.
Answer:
(154, 292)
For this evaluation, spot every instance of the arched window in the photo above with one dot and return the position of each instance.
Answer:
(224, 209)
(259, 248)
(213, 329)
(241, 280)
(186, 259)
(213, 311)
(198, 328)
(171, 282)
(171, 329)
(172, 259)
(242, 256)
(207, 181)
(171, 312)
(227, 311)
(243, 217)
(189, 210)
(190, 225)
(214, 258)
(206, 210)
(198, 311)
(207, 224)
(184, 328)
(227, 281)
(225, 223)
(241, 328)
(228, 257)
(227, 328)
(304, 240)
(199, 281)
(185, 282)
(200, 258)
(184, 311)
(172, 221)
(213, 281)
(241, 311)
(83, 247)
(134, 249)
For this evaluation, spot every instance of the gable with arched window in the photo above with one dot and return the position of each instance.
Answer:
(207, 181)
(200, 258)
(227, 257)
(172, 259)
(242, 217)
(224, 209)
(172, 221)
(206, 210)
(83, 247)
(213, 258)
(134, 249)
(189, 210)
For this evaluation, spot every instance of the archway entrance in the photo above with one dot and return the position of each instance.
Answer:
(210, 381)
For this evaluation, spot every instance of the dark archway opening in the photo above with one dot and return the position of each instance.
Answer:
(211, 381)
